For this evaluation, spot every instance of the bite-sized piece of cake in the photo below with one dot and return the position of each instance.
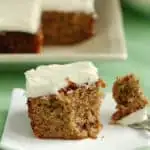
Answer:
(67, 21)
(20, 27)
(64, 100)
(130, 99)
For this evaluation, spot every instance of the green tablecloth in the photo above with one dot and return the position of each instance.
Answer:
(137, 32)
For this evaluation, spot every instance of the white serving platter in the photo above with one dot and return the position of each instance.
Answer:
(108, 44)
(18, 135)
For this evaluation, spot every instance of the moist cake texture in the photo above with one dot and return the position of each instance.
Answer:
(129, 97)
(61, 28)
(68, 105)
(71, 23)
(20, 42)
(20, 30)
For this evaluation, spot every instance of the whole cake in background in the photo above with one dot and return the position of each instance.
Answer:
(20, 26)
(130, 99)
(64, 100)
(23, 23)
(68, 21)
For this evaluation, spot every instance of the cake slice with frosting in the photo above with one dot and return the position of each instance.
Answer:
(20, 26)
(64, 100)
(130, 99)
(68, 21)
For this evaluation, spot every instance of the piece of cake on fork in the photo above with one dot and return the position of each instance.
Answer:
(68, 21)
(20, 26)
(130, 99)
(64, 100)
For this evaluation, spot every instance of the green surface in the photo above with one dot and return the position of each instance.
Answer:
(142, 6)
(137, 32)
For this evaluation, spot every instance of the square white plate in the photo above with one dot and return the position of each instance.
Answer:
(18, 135)
(108, 44)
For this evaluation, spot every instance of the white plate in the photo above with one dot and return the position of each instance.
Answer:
(108, 44)
(18, 135)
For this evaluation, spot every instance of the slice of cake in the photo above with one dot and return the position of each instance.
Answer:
(67, 21)
(20, 26)
(64, 100)
(131, 102)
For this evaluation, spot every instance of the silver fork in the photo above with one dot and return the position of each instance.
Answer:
(144, 125)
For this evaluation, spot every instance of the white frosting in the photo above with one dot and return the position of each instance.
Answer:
(135, 117)
(46, 80)
(20, 15)
(86, 6)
